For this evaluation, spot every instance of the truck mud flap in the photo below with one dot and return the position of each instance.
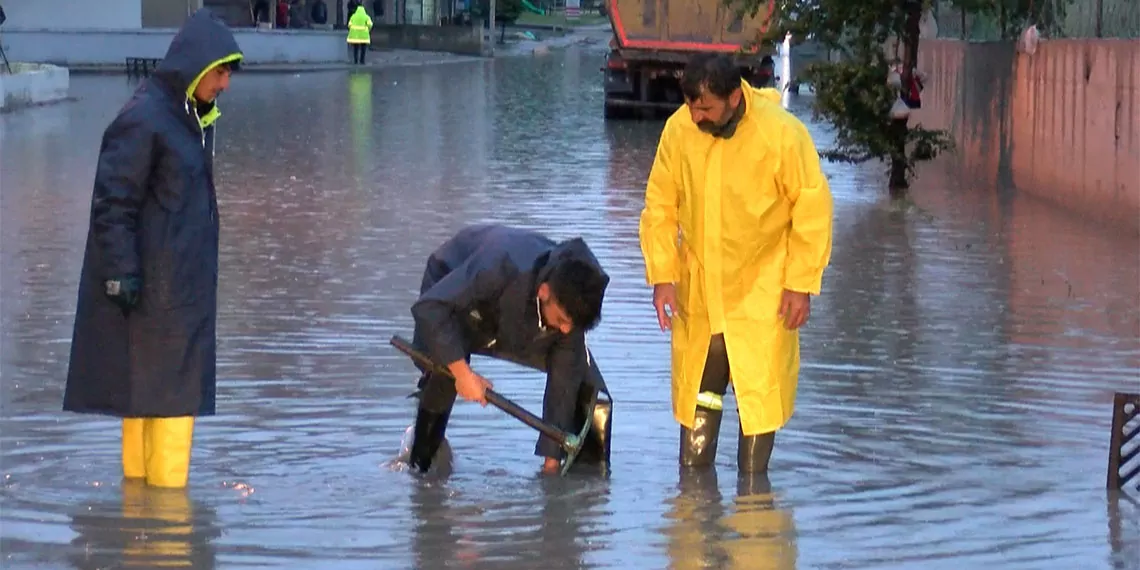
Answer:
(618, 81)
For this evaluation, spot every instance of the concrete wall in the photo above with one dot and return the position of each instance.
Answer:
(73, 14)
(101, 48)
(1061, 124)
(453, 39)
(167, 13)
(32, 84)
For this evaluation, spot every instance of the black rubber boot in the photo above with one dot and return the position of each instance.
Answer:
(601, 430)
(596, 447)
(698, 445)
(430, 428)
(754, 452)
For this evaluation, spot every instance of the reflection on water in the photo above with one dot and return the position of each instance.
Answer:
(954, 399)
(750, 530)
(148, 527)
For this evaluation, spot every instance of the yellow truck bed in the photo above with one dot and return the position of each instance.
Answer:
(683, 25)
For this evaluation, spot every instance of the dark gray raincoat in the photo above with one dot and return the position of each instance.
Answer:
(478, 296)
(154, 216)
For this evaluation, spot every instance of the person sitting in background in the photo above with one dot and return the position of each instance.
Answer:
(350, 9)
(319, 13)
(282, 14)
(261, 12)
(297, 15)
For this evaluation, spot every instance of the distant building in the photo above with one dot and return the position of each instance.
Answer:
(100, 15)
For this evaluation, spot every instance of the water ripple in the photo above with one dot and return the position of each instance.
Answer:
(953, 407)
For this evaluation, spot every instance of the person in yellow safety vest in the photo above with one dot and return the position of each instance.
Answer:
(736, 234)
(359, 34)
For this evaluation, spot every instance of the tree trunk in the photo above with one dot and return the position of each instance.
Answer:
(899, 128)
(898, 182)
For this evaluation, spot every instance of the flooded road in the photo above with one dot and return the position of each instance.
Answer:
(954, 399)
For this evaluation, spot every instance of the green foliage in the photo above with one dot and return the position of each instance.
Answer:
(852, 92)
(506, 11)
(854, 96)
(1010, 17)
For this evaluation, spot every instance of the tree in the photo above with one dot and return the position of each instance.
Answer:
(852, 92)
(1009, 17)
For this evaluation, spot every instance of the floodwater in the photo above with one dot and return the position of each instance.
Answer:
(954, 402)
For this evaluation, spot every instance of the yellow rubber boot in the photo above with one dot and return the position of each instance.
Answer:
(168, 442)
(134, 448)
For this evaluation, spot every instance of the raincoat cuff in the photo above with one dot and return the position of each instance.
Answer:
(662, 276)
(445, 354)
(547, 447)
(811, 287)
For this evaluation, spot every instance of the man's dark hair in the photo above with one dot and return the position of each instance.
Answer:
(579, 287)
(713, 72)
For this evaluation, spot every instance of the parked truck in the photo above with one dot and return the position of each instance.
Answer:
(653, 39)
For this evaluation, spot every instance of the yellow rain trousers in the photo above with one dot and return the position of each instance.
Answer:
(754, 215)
(158, 450)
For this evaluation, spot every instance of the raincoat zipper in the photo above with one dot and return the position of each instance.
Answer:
(193, 111)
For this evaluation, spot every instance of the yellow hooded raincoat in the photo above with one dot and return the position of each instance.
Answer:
(360, 27)
(753, 214)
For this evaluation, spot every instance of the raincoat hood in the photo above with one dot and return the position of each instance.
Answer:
(770, 94)
(203, 43)
(574, 248)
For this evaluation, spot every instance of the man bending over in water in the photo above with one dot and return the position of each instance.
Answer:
(516, 295)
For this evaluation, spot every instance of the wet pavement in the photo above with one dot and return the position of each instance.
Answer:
(954, 400)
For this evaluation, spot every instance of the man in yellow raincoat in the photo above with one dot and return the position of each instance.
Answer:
(359, 34)
(736, 233)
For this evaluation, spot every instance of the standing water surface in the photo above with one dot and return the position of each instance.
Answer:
(954, 398)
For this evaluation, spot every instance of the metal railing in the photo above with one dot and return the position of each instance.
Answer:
(1124, 444)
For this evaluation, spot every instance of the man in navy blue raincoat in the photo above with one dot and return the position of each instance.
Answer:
(143, 347)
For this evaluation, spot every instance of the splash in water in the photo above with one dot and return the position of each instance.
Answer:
(441, 464)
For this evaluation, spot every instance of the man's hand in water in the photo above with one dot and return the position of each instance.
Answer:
(469, 385)
(551, 466)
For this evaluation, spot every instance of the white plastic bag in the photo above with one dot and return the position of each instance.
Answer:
(894, 79)
(928, 25)
(899, 110)
(1027, 41)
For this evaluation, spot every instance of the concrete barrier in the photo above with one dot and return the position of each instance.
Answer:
(100, 49)
(451, 39)
(33, 84)
(1059, 124)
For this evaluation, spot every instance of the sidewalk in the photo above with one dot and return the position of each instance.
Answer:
(593, 35)
(375, 59)
(382, 58)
